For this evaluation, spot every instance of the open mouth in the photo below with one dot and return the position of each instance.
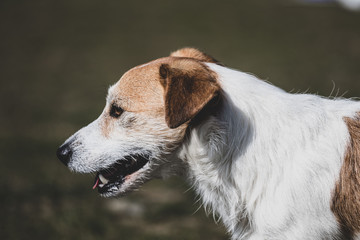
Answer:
(110, 179)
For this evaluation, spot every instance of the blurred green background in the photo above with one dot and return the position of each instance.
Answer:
(59, 57)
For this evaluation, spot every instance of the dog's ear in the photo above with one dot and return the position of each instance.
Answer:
(195, 54)
(189, 85)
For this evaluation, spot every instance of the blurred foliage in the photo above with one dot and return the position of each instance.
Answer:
(59, 57)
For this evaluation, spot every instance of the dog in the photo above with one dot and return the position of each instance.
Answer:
(269, 164)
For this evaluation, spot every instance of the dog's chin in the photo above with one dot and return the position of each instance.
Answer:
(124, 176)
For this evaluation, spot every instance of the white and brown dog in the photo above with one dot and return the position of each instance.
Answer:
(271, 165)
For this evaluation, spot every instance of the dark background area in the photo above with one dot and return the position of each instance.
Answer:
(57, 59)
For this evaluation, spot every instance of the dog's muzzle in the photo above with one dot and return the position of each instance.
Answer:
(64, 153)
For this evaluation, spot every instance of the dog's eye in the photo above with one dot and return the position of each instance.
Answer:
(116, 111)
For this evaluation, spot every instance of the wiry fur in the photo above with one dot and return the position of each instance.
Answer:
(266, 162)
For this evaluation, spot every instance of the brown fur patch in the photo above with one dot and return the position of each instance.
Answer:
(139, 89)
(174, 89)
(195, 54)
(189, 86)
(346, 198)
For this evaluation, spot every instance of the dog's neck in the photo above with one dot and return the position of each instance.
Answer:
(217, 150)
(220, 153)
(210, 150)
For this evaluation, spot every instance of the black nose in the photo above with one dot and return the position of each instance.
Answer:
(64, 153)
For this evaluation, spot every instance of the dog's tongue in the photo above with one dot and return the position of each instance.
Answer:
(97, 180)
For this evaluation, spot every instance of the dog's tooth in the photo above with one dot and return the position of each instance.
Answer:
(103, 179)
(101, 185)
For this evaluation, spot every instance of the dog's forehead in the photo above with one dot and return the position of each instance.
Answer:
(139, 89)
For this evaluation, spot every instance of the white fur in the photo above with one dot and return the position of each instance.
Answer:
(267, 166)
(92, 151)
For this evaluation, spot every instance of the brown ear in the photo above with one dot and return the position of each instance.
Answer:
(195, 54)
(189, 86)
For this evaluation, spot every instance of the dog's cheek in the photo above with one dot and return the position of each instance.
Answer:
(175, 137)
(169, 138)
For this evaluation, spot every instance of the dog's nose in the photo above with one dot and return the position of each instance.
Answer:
(64, 153)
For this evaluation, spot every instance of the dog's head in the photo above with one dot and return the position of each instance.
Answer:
(145, 119)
